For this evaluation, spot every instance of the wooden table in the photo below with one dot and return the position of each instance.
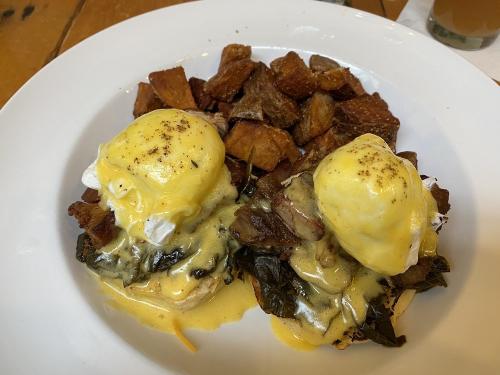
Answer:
(33, 32)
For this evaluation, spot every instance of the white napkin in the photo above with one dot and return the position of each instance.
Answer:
(414, 15)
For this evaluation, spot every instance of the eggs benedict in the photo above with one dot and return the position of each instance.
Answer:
(164, 182)
(380, 221)
(164, 170)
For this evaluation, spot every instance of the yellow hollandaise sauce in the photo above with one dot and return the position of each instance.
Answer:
(208, 248)
(287, 336)
(227, 305)
(337, 297)
(175, 299)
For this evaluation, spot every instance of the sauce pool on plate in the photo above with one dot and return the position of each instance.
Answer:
(227, 305)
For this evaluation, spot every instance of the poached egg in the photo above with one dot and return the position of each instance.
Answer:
(165, 170)
(376, 204)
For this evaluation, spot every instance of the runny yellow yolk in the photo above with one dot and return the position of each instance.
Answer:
(162, 166)
(375, 204)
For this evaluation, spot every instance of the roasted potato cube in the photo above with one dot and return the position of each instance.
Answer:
(318, 148)
(217, 119)
(97, 223)
(146, 100)
(366, 114)
(317, 117)
(91, 196)
(203, 100)
(281, 110)
(238, 170)
(234, 52)
(340, 83)
(262, 145)
(172, 88)
(351, 88)
(319, 63)
(293, 77)
(225, 109)
(331, 80)
(249, 107)
(409, 155)
(230, 79)
(327, 142)
(442, 197)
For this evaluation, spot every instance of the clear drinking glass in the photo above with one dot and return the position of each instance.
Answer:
(465, 24)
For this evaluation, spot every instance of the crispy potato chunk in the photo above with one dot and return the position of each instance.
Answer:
(146, 100)
(238, 170)
(249, 107)
(263, 98)
(203, 100)
(230, 79)
(318, 148)
(409, 155)
(331, 80)
(317, 117)
(293, 77)
(442, 197)
(97, 223)
(327, 142)
(234, 52)
(262, 145)
(341, 83)
(225, 109)
(172, 88)
(351, 88)
(319, 63)
(91, 196)
(367, 114)
(217, 119)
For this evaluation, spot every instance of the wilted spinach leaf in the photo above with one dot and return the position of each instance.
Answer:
(378, 326)
(84, 247)
(277, 287)
(199, 273)
(87, 253)
(137, 266)
(424, 275)
(163, 261)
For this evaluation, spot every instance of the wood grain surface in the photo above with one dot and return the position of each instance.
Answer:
(33, 32)
(96, 15)
(30, 32)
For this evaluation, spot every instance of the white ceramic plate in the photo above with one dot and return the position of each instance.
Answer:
(52, 320)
